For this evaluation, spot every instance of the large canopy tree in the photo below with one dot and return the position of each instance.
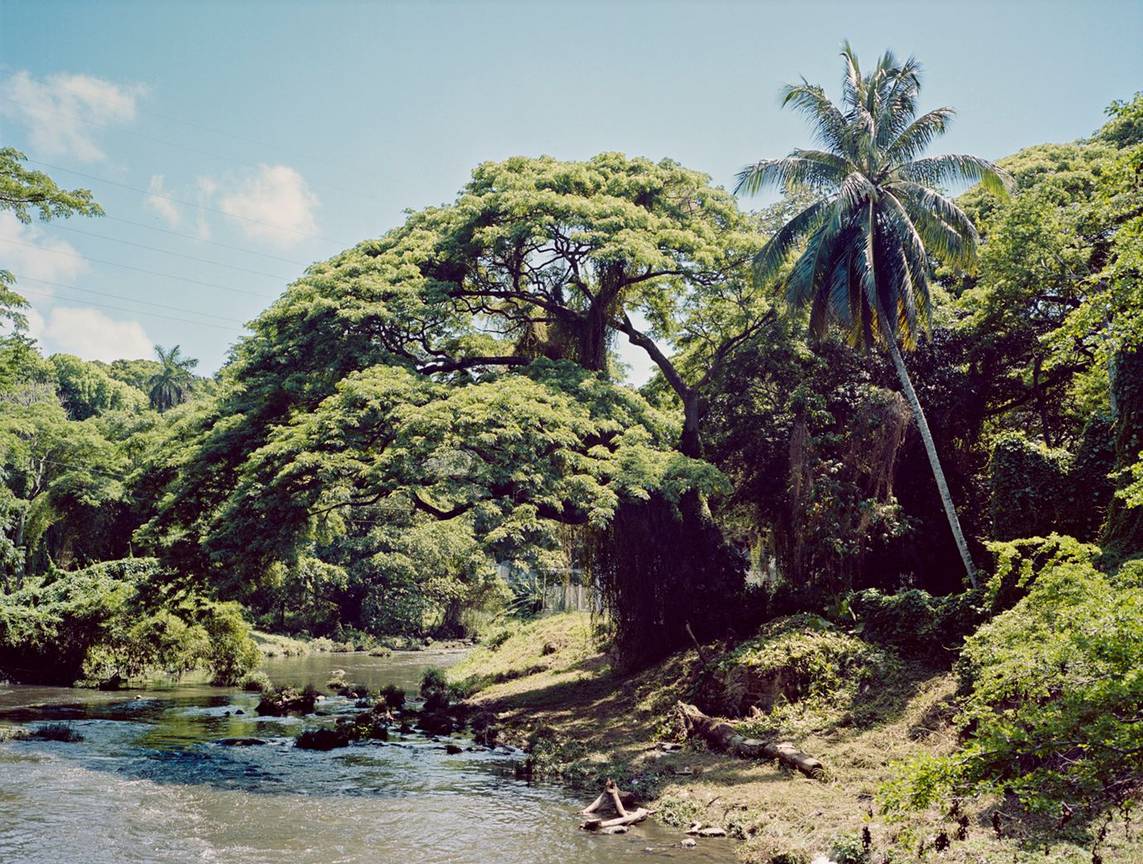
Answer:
(863, 248)
(537, 262)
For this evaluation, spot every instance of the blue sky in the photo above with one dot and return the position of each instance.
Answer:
(271, 135)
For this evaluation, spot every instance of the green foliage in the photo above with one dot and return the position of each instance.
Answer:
(1019, 563)
(97, 624)
(918, 624)
(1030, 488)
(87, 390)
(1052, 709)
(24, 193)
(800, 658)
(256, 681)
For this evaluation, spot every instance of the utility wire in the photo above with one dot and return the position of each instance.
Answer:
(234, 160)
(198, 239)
(121, 297)
(137, 269)
(175, 254)
(275, 225)
(132, 311)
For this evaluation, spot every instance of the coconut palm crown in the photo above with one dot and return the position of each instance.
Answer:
(864, 244)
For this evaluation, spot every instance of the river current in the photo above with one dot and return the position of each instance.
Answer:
(151, 782)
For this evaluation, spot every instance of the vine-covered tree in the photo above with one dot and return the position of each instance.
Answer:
(863, 248)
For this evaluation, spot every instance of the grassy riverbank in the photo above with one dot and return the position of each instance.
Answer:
(555, 693)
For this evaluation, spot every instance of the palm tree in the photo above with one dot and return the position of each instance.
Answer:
(171, 384)
(863, 246)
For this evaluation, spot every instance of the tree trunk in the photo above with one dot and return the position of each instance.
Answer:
(931, 451)
(690, 444)
(722, 736)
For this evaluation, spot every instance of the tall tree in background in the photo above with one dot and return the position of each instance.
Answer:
(865, 243)
(171, 385)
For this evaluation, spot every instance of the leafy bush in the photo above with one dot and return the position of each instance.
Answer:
(1020, 562)
(792, 659)
(256, 682)
(97, 624)
(1054, 691)
(393, 696)
(435, 689)
(1028, 487)
(918, 624)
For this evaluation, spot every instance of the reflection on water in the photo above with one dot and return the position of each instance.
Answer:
(151, 783)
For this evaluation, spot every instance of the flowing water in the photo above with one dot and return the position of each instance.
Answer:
(150, 782)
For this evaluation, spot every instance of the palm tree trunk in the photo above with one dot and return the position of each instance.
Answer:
(934, 460)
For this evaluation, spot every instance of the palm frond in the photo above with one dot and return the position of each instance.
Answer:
(900, 103)
(938, 170)
(945, 229)
(773, 255)
(915, 138)
(829, 124)
(814, 171)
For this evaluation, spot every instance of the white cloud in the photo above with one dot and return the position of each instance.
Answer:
(64, 113)
(207, 186)
(31, 254)
(275, 205)
(90, 334)
(158, 201)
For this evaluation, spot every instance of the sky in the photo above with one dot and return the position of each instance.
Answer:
(233, 143)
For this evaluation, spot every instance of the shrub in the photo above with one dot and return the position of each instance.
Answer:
(393, 696)
(56, 732)
(1020, 562)
(1028, 487)
(792, 659)
(256, 682)
(231, 652)
(918, 624)
(104, 623)
(1054, 687)
(435, 689)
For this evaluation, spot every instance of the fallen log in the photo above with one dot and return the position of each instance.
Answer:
(722, 736)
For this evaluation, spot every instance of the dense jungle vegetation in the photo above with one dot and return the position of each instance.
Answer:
(912, 417)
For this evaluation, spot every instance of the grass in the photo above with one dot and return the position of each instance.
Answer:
(586, 724)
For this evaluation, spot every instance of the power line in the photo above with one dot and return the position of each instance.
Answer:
(198, 239)
(234, 160)
(121, 297)
(275, 225)
(137, 269)
(133, 311)
(175, 254)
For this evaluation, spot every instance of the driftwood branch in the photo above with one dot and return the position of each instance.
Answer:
(619, 801)
(722, 736)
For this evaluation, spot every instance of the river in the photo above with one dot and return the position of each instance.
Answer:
(150, 782)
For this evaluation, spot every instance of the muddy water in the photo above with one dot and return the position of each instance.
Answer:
(150, 782)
